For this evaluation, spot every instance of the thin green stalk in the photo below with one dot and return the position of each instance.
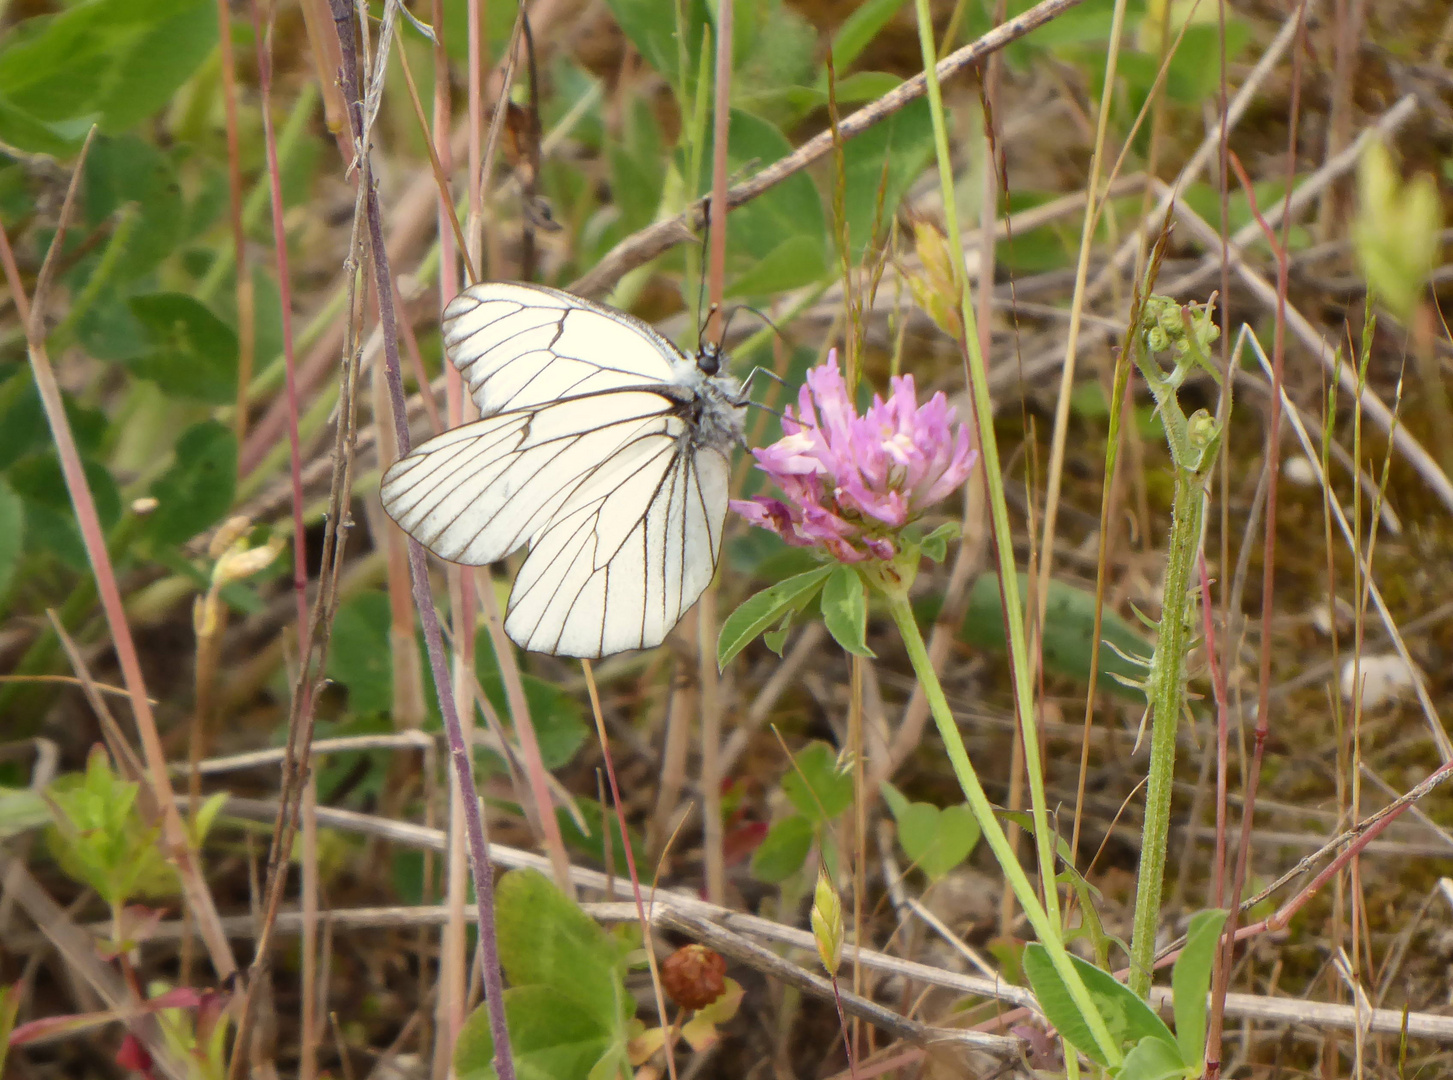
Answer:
(998, 508)
(1045, 928)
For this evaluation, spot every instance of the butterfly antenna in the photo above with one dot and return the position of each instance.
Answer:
(707, 316)
(759, 314)
(701, 285)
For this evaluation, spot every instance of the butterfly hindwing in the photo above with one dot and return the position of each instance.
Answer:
(616, 570)
(480, 491)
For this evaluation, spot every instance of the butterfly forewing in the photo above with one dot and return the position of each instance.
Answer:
(518, 346)
(591, 450)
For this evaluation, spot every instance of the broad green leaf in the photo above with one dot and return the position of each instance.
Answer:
(191, 352)
(1151, 1059)
(935, 840)
(1191, 979)
(557, 717)
(12, 534)
(22, 420)
(760, 612)
(864, 86)
(1055, 1001)
(859, 29)
(107, 329)
(815, 787)
(39, 480)
(845, 610)
(904, 144)
(955, 835)
(1195, 70)
(1128, 1019)
(800, 100)
(791, 208)
(359, 656)
(551, 1037)
(775, 48)
(651, 26)
(127, 172)
(637, 163)
(112, 61)
(546, 940)
(50, 522)
(796, 261)
(783, 850)
(196, 492)
(25, 131)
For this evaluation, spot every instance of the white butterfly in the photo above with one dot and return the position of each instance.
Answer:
(601, 446)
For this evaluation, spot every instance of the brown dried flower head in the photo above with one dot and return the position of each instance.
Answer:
(694, 976)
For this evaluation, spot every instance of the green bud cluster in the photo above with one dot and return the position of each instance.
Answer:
(1168, 326)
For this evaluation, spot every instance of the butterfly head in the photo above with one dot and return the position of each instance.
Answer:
(709, 357)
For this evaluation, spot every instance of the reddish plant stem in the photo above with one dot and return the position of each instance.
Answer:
(1223, 736)
(1223, 180)
(1220, 982)
(459, 752)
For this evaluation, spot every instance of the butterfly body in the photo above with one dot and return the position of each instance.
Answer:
(600, 446)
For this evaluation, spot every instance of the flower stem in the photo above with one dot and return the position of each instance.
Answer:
(977, 376)
(1046, 930)
(1166, 692)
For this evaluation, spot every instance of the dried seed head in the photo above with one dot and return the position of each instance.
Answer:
(694, 976)
(240, 562)
(827, 923)
(936, 288)
(227, 534)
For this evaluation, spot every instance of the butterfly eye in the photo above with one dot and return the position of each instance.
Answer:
(708, 360)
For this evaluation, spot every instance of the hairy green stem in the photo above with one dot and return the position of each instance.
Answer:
(1045, 929)
(1185, 334)
(1165, 690)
